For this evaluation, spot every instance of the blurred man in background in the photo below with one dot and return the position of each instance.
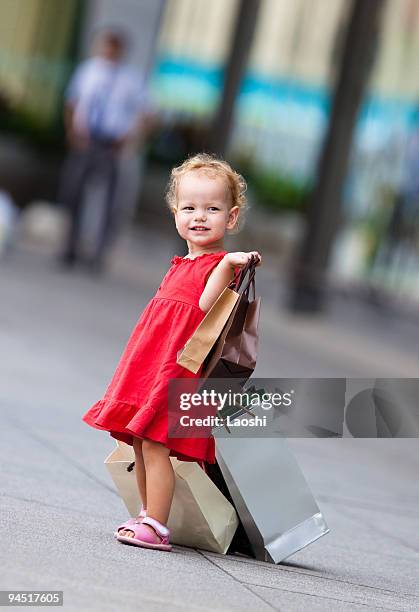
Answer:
(105, 109)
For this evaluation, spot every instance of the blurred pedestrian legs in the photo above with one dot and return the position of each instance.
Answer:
(99, 160)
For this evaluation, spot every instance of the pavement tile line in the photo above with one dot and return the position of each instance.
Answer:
(361, 551)
(203, 554)
(166, 604)
(54, 449)
(330, 499)
(279, 588)
(321, 597)
(306, 593)
(71, 509)
(382, 532)
(281, 568)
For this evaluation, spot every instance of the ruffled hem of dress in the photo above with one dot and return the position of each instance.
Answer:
(177, 258)
(102, 415)
(119, 431)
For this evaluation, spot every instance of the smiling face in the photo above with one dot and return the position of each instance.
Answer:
(204, 211)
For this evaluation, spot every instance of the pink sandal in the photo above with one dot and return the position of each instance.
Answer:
(131, 521)
(146, 538)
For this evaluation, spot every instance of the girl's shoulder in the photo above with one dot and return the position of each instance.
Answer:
(197, 270)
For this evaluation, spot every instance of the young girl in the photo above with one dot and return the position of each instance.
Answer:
(207, 198)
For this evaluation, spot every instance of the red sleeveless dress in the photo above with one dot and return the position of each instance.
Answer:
(135, 402)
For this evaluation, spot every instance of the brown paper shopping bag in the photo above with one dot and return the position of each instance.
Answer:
(208, 332)
(200, 516)
(204, 337)
(234, 353)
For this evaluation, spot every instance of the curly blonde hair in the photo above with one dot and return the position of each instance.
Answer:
(212, 166)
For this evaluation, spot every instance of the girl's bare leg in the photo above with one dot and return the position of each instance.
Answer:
(140, 470)
(160, 480)
(141, 479)
(159, 483)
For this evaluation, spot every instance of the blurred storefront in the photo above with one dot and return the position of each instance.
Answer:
(41, 40)
(284, 101)
(283, 109)
(35, 51)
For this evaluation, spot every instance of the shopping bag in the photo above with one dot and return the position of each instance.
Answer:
(200, 343)
(240, 542)
(234, 354)
(273, 500)
(206, 335)
(200, 516)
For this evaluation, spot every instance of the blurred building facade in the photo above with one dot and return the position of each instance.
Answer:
(283, 107)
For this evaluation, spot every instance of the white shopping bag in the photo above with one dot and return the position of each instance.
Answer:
(200, 517)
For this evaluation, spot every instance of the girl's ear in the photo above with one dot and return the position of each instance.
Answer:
(233, 215)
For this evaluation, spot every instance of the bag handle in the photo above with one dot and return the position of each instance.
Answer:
(240, 276)
(251, 284)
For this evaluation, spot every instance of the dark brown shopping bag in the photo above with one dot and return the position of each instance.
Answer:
(235, 352)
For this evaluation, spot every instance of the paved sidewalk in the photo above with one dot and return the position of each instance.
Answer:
(62, 336)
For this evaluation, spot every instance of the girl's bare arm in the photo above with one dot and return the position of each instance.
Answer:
(222, 275)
